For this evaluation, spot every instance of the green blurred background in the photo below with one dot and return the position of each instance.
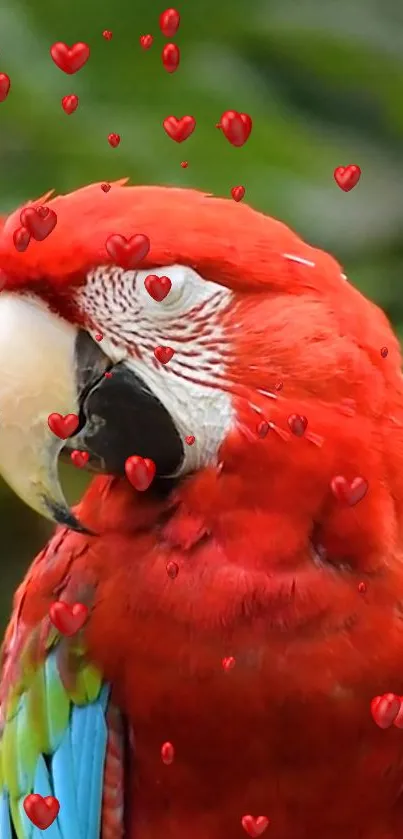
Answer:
(322, 80)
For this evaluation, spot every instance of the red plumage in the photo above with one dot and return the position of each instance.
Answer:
(269, 562)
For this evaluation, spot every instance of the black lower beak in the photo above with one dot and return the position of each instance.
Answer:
(121, 416)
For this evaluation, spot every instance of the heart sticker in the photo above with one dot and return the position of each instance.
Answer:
(68, 619)
(158, 287)
(41, 811)
(179, 129)
(140, 471)
(70, 59)
(254, 825)
(236, 127)
(164, 354)
(39, 221)
(63, 426)
(128, 253)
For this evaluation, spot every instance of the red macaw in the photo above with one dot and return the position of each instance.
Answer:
(240, 609)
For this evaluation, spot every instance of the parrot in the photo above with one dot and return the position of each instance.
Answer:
(243, 608)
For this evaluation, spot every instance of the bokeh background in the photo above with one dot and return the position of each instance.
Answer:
(322, 80)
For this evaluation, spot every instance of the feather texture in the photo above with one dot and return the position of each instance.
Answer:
(54, 738)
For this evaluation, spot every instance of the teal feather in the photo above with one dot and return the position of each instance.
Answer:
(70, 764)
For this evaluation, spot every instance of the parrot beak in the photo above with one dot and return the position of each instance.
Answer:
(37, 379)
(50, 366)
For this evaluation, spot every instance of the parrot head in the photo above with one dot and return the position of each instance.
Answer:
(277, 369)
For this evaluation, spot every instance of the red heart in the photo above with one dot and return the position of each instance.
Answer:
(39, 221)
(63, 426)
(68, 619)
(184, 164)
(70, 103)
(169, 22)
(99, 336)
(347, 177)
(140, 471)
(190, 439)
(167, 753)
(297, 424)
(385, 709)
(21, 239)
(171, 57)
(157, 287)
(107, 34)
(114, 140)
(236, 127)
(179, 129)
(41, 811)
(146, 41)
(79, 458)
(228, 663)
(70, 59)
(349, 493)
(105, 187)
(164, 354)
(255, 825)
(238, 192)
(128, 253)
(4, 86)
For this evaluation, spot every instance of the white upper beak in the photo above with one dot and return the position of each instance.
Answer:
(37, 378)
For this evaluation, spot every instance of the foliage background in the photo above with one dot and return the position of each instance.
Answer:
(323, 82)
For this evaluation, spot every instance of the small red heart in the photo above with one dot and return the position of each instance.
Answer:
(128, 253)
(114, 140)
(169, 22)
(107, 34)
(158, 287)
(21, 239)
(297, 424)
(236, 127)
(255, 825)
(105, 187)
(171, 57)
(164, 354)
(172, 569)
(238, 192)
(190, 439)
(4, 86)
(80, 459)
(384, 709)
(179, 129)
(39, 221)
(108, 375)
(184, 164)
(70, 103)
(41, 811)
(68, 619)
(167, 753)
(228, 663)
(262, 429)
(362, 587)
(278, 386)
(384, 352)
(146, 41)
(70, 59)
(140, 471)
(63, 426)
(99, 336)
(349, 492)
(347, 177)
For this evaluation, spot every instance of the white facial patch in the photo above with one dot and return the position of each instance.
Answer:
(189, 321)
